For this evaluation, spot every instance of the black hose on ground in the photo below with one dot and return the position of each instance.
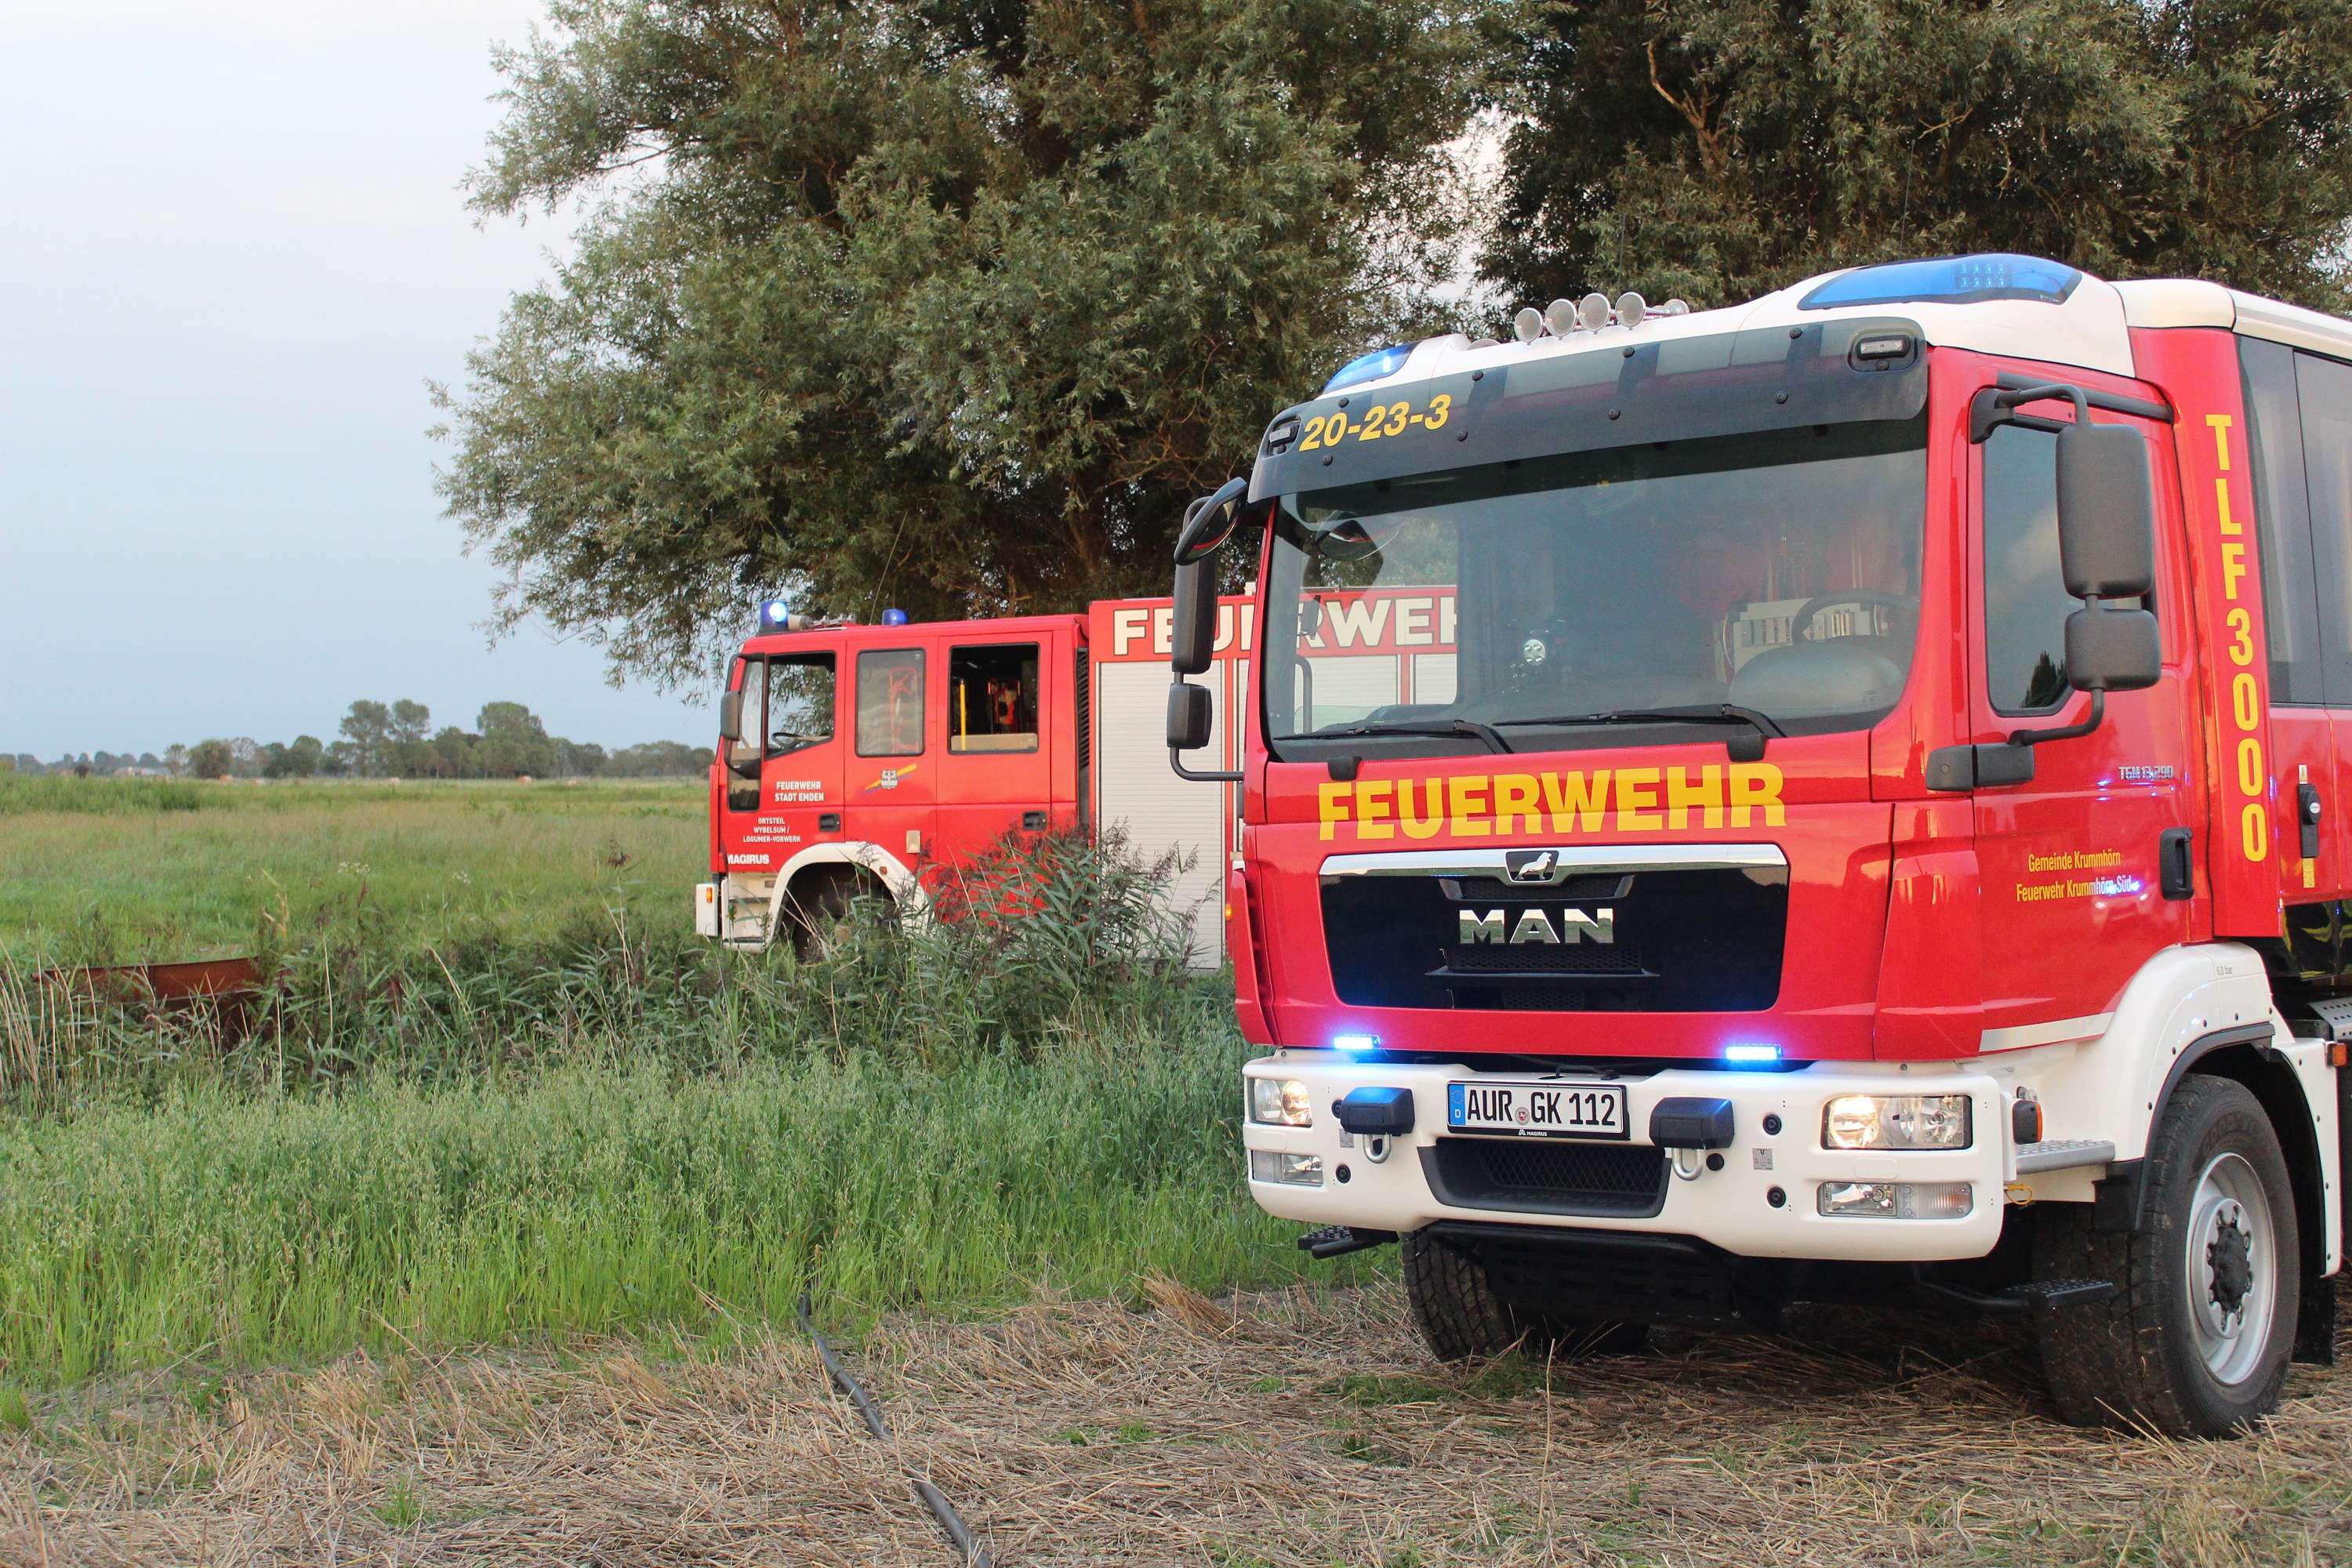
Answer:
(975, 1556)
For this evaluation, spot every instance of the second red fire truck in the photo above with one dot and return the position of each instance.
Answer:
(1862, 815)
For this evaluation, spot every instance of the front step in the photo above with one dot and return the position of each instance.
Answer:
(1337, 1240)
(2034, 1295)
(2064, 1154)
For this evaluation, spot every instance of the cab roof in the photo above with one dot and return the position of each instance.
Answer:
(2015, 307)
(872, 634)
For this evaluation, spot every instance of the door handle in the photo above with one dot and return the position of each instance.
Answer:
(1033, 821)
(828, 822)
(2306, 817)
(2175, 866)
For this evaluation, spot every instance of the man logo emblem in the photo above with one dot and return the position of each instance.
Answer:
(1531, 865)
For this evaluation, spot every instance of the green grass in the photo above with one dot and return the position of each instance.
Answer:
(497, 1088)
(237, 1230)
(104, 870)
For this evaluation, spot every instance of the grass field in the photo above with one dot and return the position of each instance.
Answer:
(480, 1247)
(1288, 1429)
(135, 870)
(463, 1115)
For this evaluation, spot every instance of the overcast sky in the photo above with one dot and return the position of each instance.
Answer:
(232, 251)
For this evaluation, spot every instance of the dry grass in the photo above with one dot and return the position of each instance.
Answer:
(1293, 1428)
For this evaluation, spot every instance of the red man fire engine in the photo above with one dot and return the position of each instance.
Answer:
(1862, 815)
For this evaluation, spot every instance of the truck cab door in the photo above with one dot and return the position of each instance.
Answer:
(997, 776)
(890, 788)
(788, 704)
(2083, 867)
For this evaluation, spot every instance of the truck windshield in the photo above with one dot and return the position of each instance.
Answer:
(1562, 602)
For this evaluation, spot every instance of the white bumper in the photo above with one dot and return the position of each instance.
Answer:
(1733, 1207)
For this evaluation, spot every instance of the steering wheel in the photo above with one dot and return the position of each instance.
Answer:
(1901, 603)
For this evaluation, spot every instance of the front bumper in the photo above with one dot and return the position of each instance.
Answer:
(1732, 1207)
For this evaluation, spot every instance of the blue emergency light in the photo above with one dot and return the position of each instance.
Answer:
(1751, 1055)
(1947, 280)
(1377, 365)
(775, 612)
(893, 618)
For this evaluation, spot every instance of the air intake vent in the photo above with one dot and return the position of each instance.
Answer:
(1531, 1175)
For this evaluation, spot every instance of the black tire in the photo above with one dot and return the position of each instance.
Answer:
(1461, 1315)
(2141, 1357)
(817, 902)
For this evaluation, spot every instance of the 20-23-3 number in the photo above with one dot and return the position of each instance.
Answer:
(1380, 420)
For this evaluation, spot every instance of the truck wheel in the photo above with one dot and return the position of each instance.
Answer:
(2195, 1342)
(1460, 1313)
(819, 899)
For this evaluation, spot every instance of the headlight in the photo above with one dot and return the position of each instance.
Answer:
(1898, 1200)
(1280, 1102)
(1290, 1170)
(1895, 1121)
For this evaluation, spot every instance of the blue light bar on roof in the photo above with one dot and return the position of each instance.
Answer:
(1374, 366)
(1949, 280)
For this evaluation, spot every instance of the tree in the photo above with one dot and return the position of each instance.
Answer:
(211, 760)
(367, 727)
(175, 759)
(1716, 149)
(514, 742)
(300, 759)
(405, 747)
(946, 304)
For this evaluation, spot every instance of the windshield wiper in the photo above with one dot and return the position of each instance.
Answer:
(1486, 733)
(1764, 724)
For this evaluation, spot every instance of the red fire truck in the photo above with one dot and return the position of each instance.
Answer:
(871, 760)
(1866, 819)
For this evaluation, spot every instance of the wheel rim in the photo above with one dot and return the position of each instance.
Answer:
(2233, 1265)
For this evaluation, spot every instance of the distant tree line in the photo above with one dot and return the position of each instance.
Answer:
(396, 740)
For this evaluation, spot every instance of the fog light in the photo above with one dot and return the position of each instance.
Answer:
(1280, 1102)
(1898, 1200)
(1895, 1121)
(1290, 1170)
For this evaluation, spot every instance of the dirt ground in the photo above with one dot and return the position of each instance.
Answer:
(1296, 1428)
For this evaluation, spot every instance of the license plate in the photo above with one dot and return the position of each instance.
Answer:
(1537, 1110)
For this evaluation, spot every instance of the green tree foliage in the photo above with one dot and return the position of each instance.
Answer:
(210, 760)
(367, 734)
(1720, 148)
(950, 304)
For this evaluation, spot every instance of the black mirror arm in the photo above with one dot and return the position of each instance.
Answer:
(1996, 406)
(1201, 776)
(2064, 732)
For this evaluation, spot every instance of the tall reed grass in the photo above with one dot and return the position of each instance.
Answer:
(608, 1131)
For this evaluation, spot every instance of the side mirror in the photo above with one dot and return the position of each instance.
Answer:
(2112, 650)
(1188, 719)
(2106, 514)
(731, 717)
(1208, 523)
(1192, 629)
(1193, 625)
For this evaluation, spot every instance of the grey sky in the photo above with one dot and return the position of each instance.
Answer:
(232, 250)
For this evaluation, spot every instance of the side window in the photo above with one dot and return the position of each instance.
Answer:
(2283, 521)
(800, 703)
(2326, 393)
(743, 756)
(992, 699)
(2026, 602)
(890, 702)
